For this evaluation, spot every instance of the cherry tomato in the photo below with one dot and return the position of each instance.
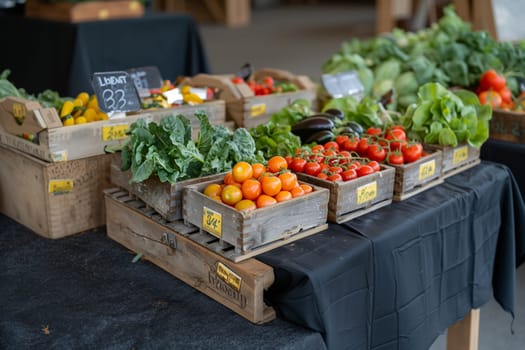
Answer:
(412, 152)
(375, 165)
(365, 170)
(362, 146)
(373, 131)
(349, 174)
(331, 145)
(341, 139)
(506, 95)
(490, 97)
(335, 170)
(376, 152)
(318, 149)
(351, 144)
(322, 176)
(312, 168)
(298, 164)
(395, 158)
(396, 136)
(492, 80)
(289, 160)
(335, 177)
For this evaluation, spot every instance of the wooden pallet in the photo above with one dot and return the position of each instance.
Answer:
(238, 286)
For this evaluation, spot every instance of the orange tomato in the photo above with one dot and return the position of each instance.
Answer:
(288, 180)
(228, 179)
(245, 205)
(306, 188)
(258, 170)
(213, 190)
(231, 194)
(277, 163)
(251, 189)
(242, 171)
(490, 97)
(271, 185)
(297, 191)
(283, 196)
(265, 201)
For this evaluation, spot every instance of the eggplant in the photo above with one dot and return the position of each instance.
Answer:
(335, 112)
(320, 137)
(355, 126)
(306, 127)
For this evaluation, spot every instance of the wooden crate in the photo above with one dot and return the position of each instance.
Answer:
(83, 11)
(248, 110)
(163, 197)
(456, 159)
(53, 199)
(60, 143)
(238, 286)
(260, 230)
(351, 199)
(416, 177)
(507, 126)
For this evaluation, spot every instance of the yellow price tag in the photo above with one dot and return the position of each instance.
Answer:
(427, 169)
(366, 192)
(212, 222)
(460, 155)
(258, 109)
(19, 110)
(114, 132)
(103, 14)
(61, 186)
(228, 276)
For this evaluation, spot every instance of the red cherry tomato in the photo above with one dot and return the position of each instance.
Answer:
(312, 168)
(376, 152)
(297, 165)
(331, 145)
(335, 177)
(351, 144)
(349, 174)
(365, 170)
(412, 152)
(375, 165)
(395, 158)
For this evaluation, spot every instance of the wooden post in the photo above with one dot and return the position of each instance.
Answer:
(463, 335)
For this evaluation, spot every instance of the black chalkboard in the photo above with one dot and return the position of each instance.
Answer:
(115, 92)
(146, 78)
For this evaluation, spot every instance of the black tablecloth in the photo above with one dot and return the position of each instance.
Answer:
(63, 56)
(509, 153)
(392, 279)
(89, 295)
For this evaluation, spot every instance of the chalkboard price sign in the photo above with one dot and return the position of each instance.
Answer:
(115, 92)
(146, 78)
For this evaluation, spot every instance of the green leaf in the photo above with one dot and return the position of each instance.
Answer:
(447, 137)
(421, 114)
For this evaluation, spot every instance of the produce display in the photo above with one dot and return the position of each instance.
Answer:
(83, 109)
(268, 85)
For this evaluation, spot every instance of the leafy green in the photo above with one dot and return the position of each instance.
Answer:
(167, 150)
(448, 117)
(293, 113)
(273, 139)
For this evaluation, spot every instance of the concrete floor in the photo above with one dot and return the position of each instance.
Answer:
(300, 38)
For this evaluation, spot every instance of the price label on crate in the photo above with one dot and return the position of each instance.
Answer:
(115, 92)
(114, 132)
(258, 109)
(228, 276)
(343, 84)
(61, 186)
(427, 169)
(460, 155)
(212, 222)
(367, 192)
(146, 78)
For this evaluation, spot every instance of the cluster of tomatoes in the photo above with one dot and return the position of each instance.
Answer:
(332, 163)
(265, 87)
(384, 146)
(251, 186)
(492, 89)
